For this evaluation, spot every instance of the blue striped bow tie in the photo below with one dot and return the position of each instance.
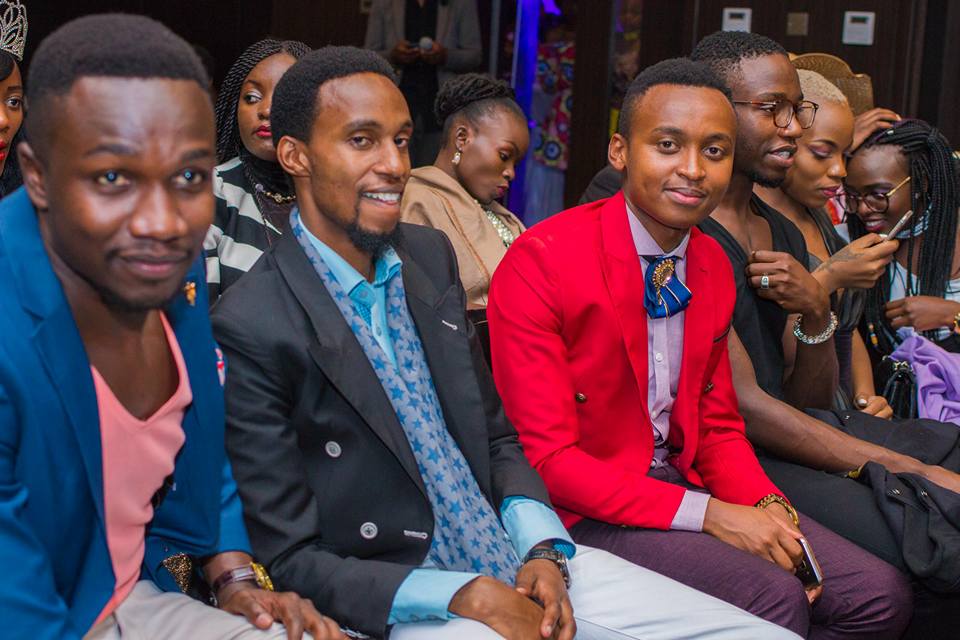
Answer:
(664, 294)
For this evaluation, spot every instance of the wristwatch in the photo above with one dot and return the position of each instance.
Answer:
(769, 499)
(253, 572)
(554, 556)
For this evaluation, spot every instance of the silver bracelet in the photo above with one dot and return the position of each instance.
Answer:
(821, 337)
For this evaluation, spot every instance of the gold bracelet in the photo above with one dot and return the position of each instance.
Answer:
(771, 498)
(956, 323)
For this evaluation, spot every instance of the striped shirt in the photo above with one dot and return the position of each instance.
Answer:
(239, 233)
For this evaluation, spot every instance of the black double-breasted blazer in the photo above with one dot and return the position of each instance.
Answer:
(333, 500)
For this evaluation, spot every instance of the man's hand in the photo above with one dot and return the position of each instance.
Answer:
(874, 405)
(262, 608)
(437, 54)
(404, 53)
(783, 516)
(859, 264)
(923, 313)
(869, 122)
(790, 284)
(502, 608)
(542, 581)
(755, 531)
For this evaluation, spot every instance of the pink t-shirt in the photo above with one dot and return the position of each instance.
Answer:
(137, 456)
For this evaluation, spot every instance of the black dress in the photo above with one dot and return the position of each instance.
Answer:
(760, 323)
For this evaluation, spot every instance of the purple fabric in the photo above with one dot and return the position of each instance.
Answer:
(938, 377)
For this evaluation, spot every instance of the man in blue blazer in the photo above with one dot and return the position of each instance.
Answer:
(104, 344)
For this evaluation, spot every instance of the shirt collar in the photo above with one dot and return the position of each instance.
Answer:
(386, 266)
(646, 245)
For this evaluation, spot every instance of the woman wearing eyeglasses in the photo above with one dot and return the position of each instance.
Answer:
(910, 166)
(845, 271)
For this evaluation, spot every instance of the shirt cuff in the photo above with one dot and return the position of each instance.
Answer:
(425, 595)
(693, 508)
(529, 522)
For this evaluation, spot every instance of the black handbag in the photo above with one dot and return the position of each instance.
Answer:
(899, 387)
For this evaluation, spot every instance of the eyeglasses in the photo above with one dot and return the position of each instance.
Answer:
(784, 110)
(876, 202)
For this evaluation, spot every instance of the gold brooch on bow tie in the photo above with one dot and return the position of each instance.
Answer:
(662, 275)
(190, 291)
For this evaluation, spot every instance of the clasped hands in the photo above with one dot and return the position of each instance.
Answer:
(537, 607)
(404, 53)
(766, 533)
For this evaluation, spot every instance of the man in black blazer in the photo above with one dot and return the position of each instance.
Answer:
(342, 454)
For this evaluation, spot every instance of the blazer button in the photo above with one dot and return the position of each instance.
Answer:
(580, 397)
(333, 449)
(368, 531)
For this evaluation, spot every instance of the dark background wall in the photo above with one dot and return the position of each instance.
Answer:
(913, 63)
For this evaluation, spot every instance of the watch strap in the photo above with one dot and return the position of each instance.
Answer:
(253, 572)
(554, 556)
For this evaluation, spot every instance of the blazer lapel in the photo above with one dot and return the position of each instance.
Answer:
(443, 21)
(697, 341)
(399, 31)
(340, 356)
(624, 280)
(55, 336)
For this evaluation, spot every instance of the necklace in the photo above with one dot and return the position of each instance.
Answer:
(506, 236)
(276, 197)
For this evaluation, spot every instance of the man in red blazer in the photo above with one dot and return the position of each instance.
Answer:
(608, 328)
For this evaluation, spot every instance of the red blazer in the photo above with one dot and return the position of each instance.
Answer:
(568, 334)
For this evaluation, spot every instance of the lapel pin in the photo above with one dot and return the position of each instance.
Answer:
(190, 291)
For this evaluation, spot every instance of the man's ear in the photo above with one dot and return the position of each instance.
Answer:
(291, 155)
(617, 152)
(34, 175)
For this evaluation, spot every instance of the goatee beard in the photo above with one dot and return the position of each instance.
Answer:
(371, 242)
(763, 181)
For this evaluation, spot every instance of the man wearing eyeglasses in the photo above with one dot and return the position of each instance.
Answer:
(762, 244)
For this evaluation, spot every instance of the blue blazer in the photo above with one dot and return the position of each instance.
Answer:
(56, 571)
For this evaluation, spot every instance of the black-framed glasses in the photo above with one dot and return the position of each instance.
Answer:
(876, 202)
(784, 110)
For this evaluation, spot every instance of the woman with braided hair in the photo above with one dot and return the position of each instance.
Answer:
(253, 196)
(909, 166)
(484, 137)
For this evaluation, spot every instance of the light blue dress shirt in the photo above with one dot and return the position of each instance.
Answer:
(426, 593)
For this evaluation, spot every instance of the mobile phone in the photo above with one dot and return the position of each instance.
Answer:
(901, 223)
(809, 569)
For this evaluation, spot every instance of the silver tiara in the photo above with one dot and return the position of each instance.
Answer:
(13, 27)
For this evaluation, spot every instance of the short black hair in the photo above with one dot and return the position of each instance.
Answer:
(106, 45)
(228, 133)
(724, 50)
(472, 95)
(295, 99)
(676, 71)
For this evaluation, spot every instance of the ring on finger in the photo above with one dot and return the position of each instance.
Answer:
(764, 281)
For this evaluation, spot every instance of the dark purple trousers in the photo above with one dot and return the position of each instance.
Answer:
(863, 596)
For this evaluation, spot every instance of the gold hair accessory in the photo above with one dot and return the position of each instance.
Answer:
(13, 28)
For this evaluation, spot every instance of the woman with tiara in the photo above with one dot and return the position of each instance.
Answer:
(13, 39)
(253, 196)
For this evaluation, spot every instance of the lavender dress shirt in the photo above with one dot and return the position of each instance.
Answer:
(664, 354)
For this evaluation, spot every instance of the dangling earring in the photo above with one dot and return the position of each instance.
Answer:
(456, 157)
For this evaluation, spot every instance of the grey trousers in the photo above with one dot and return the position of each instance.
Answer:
(151, 614)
